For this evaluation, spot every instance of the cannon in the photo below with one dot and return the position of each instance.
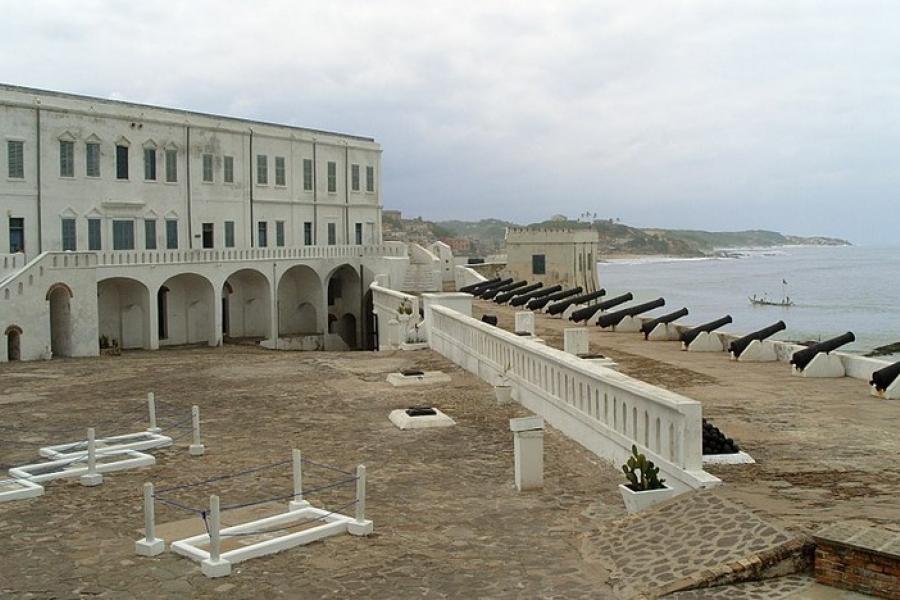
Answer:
(648, 326)
(525, 298)
(738, 346)
(485, 288)
(615, 318)
(560, 307)
(583, 314)
(886, 382)
(503, 288)
(489, 319)
(688, 337)
(541, 302)
(504, 297)
(829, 366)
(472, 287)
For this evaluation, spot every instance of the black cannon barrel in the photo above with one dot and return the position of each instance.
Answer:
(525, 298)
(537, 303)
(478, 284)
(503, 288)
(738, 346)
(801, 358)
(559, 307)
(583, 314)
(507, 296)
(649, 326)
(688, 336)
(489, 319)
(483, 290)
(883, 378)
(614, 318)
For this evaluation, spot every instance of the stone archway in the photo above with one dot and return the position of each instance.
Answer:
(246, 305)
(123, 312)
(344, 300)
(59, 296)
(13, 343)
(186, 310)
(299, 302)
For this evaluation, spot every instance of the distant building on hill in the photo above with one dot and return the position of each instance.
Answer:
(554, 256)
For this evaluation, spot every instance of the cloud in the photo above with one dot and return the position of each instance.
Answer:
(694, 114)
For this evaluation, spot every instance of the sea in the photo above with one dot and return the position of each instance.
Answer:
(835, 289)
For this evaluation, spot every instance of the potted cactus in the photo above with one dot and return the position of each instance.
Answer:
(644, 487)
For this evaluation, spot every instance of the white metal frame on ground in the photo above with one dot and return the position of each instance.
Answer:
(143, 440)
(27, 489)
(130, 459)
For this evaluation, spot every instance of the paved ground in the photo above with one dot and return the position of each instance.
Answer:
(825, 449)
(448, 521)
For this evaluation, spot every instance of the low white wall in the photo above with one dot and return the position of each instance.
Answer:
(385, 305)
(464, 275)
(604, 411)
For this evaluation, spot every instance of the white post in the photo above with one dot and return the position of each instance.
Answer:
(575, 340)
(92, 477)
(298, 502)
(215, 565)
(528, 452)
(151, 407)
(150, 545)
(196, 448)
(360, 526)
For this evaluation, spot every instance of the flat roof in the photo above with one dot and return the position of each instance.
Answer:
(181, 111)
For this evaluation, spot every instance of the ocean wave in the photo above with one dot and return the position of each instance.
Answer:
(659, 259)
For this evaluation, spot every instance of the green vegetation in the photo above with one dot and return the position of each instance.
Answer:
(641, 473)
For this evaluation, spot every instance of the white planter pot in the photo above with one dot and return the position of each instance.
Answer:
(638, 501)
(503, 393)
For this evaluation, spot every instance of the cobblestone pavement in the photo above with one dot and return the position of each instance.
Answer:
(769, 589)
(823, 447)
(448, 521)
(680, 540)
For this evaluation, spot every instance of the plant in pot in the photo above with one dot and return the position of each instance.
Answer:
(644, 487)
(503, 387)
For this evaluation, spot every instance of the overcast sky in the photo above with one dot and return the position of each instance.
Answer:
(774, 114)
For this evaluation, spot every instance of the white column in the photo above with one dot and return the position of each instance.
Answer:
(215, 565)
(196, 448)
(528, 442)
(525, 322)
(360, 526)
(298, 502)
(151, 408)
(149, 545)
(92, 477)
(575, 340)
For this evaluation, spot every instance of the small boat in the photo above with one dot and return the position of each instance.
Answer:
(786, 301)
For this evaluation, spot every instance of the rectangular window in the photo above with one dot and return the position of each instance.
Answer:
(279, 170)
(229, 234)
(171, 166)
(538, 264)
(359, 234)
(16, 235)
(354, 177)
(332, 176)
(262, 169)
(68, 235)
(208, 241)
(150, 164)
(307, 234)
(332, 234)
(262, 234)
(370, 179)
(307, 174)
(95, 239)
(150, 234)
(92, 159)
(15, 156)
(207, 168)
(172, 234)
(229, 169)
(121, 162)
(123, 235)
(66, 159)
(279, 233)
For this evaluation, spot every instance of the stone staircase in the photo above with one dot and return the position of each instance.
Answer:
(697, 541)
(424, 271)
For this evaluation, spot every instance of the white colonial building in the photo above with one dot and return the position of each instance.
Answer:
(142, 226)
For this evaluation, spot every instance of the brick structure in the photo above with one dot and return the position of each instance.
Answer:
(858, 558)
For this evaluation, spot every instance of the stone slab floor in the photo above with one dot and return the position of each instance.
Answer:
(448, 521)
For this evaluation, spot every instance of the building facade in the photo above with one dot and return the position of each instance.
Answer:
(553, 256)
(172, 223)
